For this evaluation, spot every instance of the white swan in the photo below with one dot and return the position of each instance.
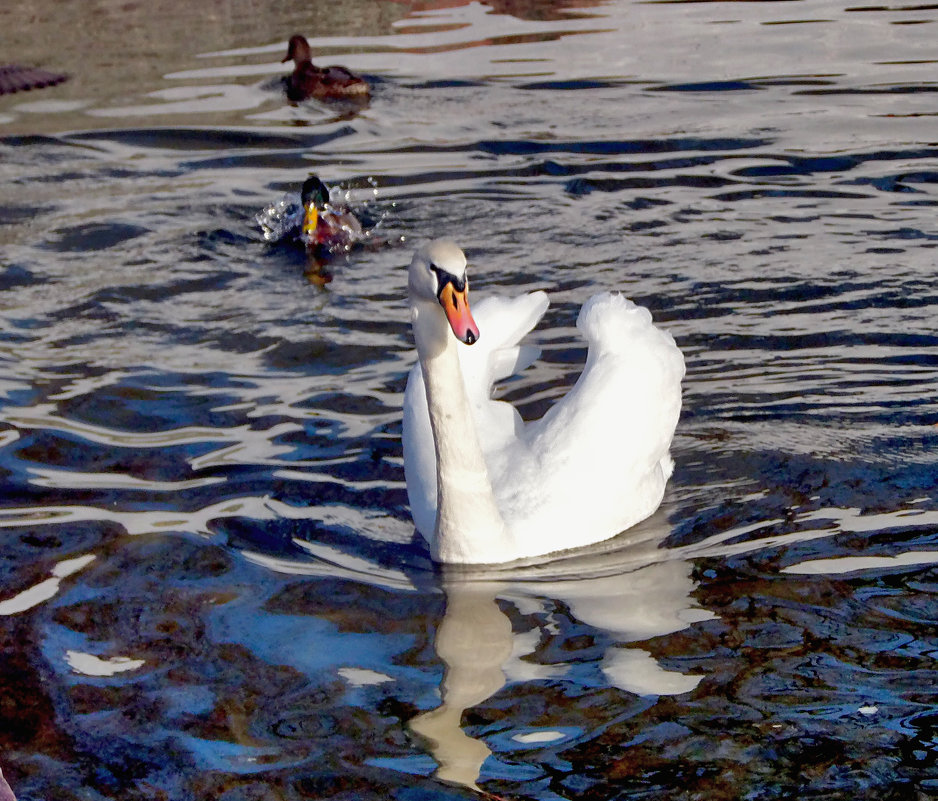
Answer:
(593, 465)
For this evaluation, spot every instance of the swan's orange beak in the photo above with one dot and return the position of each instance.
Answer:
(455, 304)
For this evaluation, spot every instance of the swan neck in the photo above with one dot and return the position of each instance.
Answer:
(469, 527)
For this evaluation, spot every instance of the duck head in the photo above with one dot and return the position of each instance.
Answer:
(298, 49)
(315, 196)
(438, 273)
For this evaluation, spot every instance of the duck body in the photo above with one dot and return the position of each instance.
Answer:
(336, 229)
(323, 83)
(486, 487)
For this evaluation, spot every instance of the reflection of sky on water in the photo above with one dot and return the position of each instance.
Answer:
(209, 579)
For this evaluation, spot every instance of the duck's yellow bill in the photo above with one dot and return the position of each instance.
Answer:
(310, 220)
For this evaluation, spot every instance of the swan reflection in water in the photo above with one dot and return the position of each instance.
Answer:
(506, 626)
(630, 595)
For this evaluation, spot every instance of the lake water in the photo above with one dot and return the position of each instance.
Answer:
(211, 587)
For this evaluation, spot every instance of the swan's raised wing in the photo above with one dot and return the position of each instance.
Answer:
(599, 459)
(503, 323)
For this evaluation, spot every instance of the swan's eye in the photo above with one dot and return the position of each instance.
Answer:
(444, 277)
(440, 276)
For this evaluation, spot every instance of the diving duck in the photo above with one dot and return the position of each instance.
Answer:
(315, 222)
(325, 225)
(487, 487)
(322, 83)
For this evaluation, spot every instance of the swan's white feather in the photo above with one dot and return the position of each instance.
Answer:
(596, 463)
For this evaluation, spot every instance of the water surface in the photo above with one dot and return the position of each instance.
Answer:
(211, 586)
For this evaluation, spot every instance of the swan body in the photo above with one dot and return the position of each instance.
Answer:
(486, 487)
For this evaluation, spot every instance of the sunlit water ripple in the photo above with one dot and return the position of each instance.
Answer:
(211, 584)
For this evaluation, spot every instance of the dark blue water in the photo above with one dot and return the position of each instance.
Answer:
(210, 586)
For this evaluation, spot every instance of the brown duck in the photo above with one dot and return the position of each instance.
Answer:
(323, 83)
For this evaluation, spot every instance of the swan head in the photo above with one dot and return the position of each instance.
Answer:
(438, 274)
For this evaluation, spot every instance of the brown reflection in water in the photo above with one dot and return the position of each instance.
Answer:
(317, 271)
(545, 10)
(116, 52)
(266, 729)
(27, 714)
(776, 714)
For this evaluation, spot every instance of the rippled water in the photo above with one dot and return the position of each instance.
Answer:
(210, 583)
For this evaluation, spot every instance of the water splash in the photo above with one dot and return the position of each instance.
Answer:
(345, 214)
(282, 219)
